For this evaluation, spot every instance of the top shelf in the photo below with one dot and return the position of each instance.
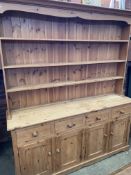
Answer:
(60, 40)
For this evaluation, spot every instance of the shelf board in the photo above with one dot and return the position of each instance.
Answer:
(59, 40)
(60, 84)
(62, 64)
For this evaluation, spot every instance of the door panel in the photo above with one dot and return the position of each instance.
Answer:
(68, 150)
(119, 133)
(36, 159)
(96, 139)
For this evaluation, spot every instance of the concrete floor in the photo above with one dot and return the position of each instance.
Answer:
(126, 171)
(105, 167)
(6, 159)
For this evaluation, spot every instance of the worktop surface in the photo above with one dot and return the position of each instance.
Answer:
(41, 114)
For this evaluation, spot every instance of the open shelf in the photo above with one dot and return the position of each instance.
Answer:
(60, 84)
(61, 40)
(62, 64)
(60, 59)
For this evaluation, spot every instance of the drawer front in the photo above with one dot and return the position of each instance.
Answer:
(96, 117)
(34, 133)
(121, 117)
(69, 124)
(118, 112)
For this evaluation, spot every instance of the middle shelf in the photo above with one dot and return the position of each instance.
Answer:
(63, 40)
(60, 84)
(62, 64)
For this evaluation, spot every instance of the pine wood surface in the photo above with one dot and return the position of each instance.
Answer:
(31, 116)
(48, 59)
(64, 67)
(67, 5)
(62, 64)
(69, 144)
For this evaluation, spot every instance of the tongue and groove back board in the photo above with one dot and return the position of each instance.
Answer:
(48, 59)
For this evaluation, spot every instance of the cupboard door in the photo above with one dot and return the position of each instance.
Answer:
(119, 133)
(68, 150)
(96, 140)
(36, 159)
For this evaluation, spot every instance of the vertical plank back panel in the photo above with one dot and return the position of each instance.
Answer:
(50, 59)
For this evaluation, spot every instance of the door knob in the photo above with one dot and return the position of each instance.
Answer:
(58, 150)
(49, 153)
(112, 133)
(105, 135)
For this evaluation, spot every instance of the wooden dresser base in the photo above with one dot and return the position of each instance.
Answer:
(72, 168)
(66, 144)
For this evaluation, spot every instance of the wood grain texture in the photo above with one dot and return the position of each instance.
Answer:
(50, 59)
(63, 145)
(55, 55)
(72, 7)
(36, 115)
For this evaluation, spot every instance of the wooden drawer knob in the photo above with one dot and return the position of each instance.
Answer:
(122, 112)
(112, 133)
(71, 125)
(98, 118)
(58, 150)
(35, 134)
(49, 153)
